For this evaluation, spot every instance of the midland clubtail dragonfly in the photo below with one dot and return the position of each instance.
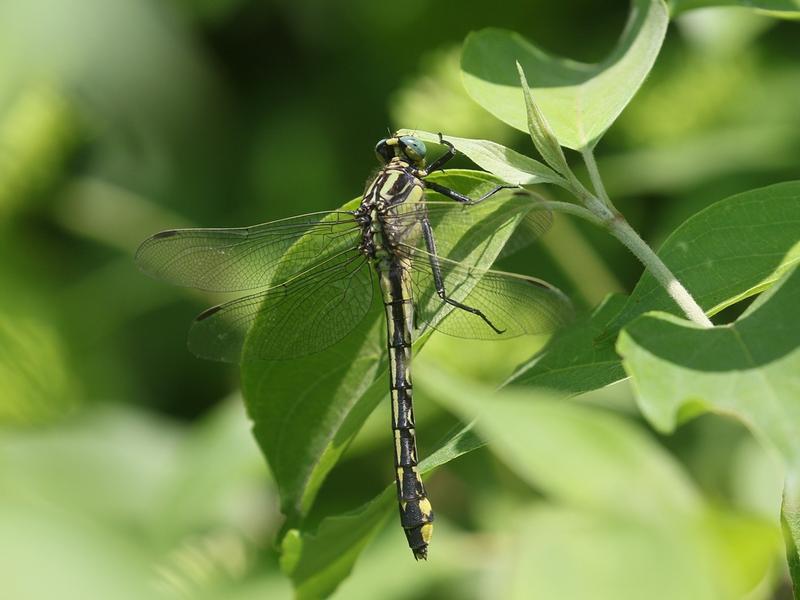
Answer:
(315, 277)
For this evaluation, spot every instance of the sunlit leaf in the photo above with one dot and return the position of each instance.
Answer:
(505, 163)
(580, 101)
(542, 135)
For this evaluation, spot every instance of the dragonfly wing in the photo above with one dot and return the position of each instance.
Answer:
(461, 228)
(514, 304)
(246, 258)
(301, 317)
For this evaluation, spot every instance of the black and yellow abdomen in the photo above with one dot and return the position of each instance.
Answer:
(395, 189)
(416, 514)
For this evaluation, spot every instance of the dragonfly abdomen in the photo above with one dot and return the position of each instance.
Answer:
(416, 514)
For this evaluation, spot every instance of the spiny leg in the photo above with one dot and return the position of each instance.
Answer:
(461, 198)
(440, 162)
(438, 280)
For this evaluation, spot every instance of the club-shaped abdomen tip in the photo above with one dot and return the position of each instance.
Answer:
(419, 537)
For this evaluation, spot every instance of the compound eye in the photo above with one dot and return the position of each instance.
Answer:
(413, 147)
(384, 151)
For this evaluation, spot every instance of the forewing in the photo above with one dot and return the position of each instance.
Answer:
(300, 317)
(460, 228)
(246, 258)
(514, 304)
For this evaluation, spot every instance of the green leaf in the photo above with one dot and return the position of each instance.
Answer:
(575, 361)
(580, 101)
(732, 250)
(777, 8)
(750, 370)
(319, 561)
(505, 163)
(303, 424)
(542, 135)
(581, 455)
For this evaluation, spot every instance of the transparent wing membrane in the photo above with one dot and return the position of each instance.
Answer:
(301, 317)
(514, 304)
(316, 286)
(246, 258)
(459, 228)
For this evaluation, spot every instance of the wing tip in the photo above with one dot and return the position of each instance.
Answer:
(145, 245)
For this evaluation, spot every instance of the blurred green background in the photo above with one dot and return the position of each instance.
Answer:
(127, 468)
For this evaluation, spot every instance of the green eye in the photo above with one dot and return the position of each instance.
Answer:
(414, 148)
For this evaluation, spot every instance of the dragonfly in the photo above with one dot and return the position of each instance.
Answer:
(311, 280)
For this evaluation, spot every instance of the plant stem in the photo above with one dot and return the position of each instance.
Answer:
(622, 230)
(594, 175)
(616, 224)
(573, 209)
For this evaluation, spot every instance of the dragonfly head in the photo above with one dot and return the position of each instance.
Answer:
(406, 147)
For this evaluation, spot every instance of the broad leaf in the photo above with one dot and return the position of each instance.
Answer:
(734, 249)
(319, 561)
(750, 370)
(303, 424)
(730, 251)
(580, 101)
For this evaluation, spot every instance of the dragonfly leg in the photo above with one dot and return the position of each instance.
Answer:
(440, 162)
(458, 197)
(438, 280)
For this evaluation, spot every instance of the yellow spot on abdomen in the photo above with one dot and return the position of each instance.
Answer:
(427, 532)
(425, 507)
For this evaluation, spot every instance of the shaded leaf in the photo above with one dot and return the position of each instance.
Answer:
(575, 360)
